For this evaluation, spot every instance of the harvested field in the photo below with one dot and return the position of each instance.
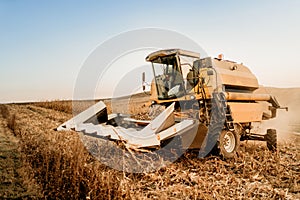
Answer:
(59, 166)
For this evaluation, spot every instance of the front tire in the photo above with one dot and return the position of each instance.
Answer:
(228, 144)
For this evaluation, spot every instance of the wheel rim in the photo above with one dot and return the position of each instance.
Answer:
(229, 141)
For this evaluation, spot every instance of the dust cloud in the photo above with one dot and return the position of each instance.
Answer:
(287, 123)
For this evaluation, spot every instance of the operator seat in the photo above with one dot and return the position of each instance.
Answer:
(192, 79)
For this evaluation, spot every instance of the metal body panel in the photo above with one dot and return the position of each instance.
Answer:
(235, 96)
(84, 116)
(245, 112)
(174, 130)
(236, 75)
(162, 121)
(194, 138)
(169, 52)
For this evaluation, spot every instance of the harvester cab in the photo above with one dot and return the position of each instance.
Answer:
(170, 69)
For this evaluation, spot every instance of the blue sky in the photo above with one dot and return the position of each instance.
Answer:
(43, 44)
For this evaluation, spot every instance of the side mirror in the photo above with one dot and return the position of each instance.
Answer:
(143, 80)
(210, 72)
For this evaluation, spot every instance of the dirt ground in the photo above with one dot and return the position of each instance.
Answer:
(34, 161)
(15, 180)
(11, 182)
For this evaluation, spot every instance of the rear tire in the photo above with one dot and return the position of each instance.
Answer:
(228, 144)
(271, 139)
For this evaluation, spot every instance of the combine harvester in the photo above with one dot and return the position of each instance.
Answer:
(208, 104)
